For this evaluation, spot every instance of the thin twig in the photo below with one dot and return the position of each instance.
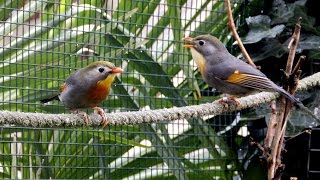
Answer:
(236, 36)
(306, 131)
(252, 142)
(298, 65)
(293, 47)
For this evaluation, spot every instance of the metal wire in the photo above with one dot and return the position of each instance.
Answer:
(43, 42)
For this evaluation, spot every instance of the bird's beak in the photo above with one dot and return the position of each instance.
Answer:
(190, 40)
(116, 70)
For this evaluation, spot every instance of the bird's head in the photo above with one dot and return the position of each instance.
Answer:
(102, 72)
(206, 45)
(203, 49)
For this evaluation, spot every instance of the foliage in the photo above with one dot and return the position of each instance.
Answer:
(44, 41)
(267, 39)
(272, 29)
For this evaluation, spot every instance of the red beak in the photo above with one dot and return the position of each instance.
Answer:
(117, 70)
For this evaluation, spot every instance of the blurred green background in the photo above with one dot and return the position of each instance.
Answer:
(42, 42)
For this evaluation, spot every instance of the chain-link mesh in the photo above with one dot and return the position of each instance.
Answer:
(43, 42)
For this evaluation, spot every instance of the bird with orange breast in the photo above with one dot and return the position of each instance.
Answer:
(87, 88)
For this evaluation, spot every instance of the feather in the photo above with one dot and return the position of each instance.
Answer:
(250, 81)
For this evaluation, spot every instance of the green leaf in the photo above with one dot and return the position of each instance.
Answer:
(281, 12)
(117, 139)
(175, 11)
(307, 42)
(314, 54)
(266, 48)
(162, 148)
(6, 7)
(21, 17)
(260, 29)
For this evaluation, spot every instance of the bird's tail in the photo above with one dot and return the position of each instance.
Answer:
(50, 99)
(297, 103)
(310, 113)
(287, 95)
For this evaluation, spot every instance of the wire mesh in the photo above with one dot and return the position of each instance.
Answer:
(43, 42)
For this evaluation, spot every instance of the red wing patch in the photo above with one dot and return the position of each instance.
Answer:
(62, 87)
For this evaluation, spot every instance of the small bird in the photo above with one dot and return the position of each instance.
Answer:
(87, 88)
(230, 75)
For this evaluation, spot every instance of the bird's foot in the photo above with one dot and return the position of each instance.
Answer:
(235, 100)
(225, 101)
(85, 116)
(101, 112)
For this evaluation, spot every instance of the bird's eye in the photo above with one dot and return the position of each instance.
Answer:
(101, 70)
(201, 42)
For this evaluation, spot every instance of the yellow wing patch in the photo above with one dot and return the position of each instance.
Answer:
(237, 78)
(251, 81)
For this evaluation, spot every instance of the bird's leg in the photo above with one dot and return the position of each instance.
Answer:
(225, 101)
(235, 100)
(101, 112)
(85, 116)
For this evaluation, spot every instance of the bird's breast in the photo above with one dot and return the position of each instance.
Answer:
(100, 91)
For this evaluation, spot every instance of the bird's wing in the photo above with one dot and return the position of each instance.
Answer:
(62, 87)
(250, 81)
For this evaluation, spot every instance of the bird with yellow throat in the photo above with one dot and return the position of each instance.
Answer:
(87, 88)
(230, 75)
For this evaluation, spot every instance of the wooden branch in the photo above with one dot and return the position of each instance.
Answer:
(271, 126)
(298, 65)
(285, 106)
(293, 46)
(236, 36)
(252, 142)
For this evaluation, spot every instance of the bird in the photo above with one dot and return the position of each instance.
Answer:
(230, 75)
(87, 88)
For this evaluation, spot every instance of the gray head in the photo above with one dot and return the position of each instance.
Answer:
(206, 45)
(97, 71)
(206, 49)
